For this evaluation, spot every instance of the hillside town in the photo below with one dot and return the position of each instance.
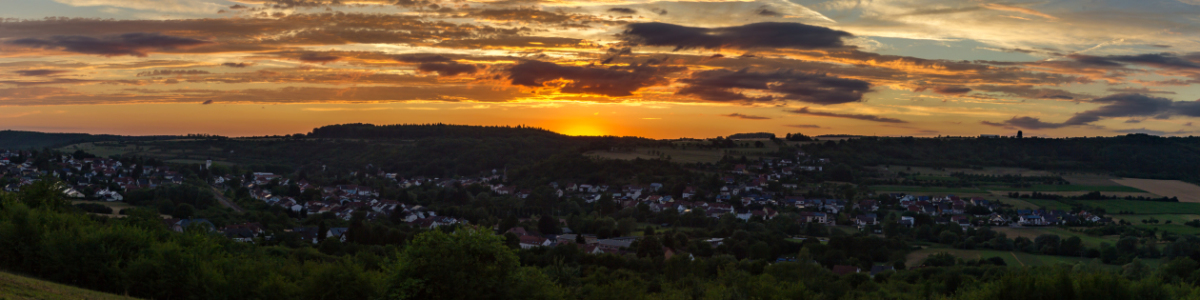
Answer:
(759, 190)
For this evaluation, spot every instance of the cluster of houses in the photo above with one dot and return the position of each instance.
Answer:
(953, 209)
(586, 242)
(342, 201)
(91, 178)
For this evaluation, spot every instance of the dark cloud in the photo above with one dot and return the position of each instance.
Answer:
(1138, 91)
(1116, 106)
(236, 65)
(617, 53)
(767, 12)
(764, 35)
(1025, 123)
(1143, 130)
(207, 102)
(172, 72)
(726, 85)
(318, 57)
(40, 72)
(1122, 105)
(609, 81)
(806, 111)
(1187, 108)
(134, 44)
(747, 117)
(1031, 92)
(1159, 60)
(447, 68)
(803, 126)
(622, 10)
(422, 58)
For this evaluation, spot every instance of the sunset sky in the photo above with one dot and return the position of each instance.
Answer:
(659, 69)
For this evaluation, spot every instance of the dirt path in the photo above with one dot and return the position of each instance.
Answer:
(225, 201)
(1017, 258)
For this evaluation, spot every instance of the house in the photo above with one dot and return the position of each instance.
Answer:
(532, 241)
(907, 221)
(866, 220)
(811, 217)
(1032, 220)
(868, 205)
(242, 232)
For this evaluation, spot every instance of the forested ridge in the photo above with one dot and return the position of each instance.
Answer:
(1134, 155)
(12, 139)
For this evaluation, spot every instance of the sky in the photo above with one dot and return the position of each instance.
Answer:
(658, 69)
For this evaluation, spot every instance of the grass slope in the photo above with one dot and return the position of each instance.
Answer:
(14, 287)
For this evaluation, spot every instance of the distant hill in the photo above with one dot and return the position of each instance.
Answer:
(12, 139)
(755, 135)
(19, 287)
(418, 131)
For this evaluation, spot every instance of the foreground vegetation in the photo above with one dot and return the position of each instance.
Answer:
(16, 287)
(42, 236)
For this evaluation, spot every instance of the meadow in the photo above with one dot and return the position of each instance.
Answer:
(16, 287)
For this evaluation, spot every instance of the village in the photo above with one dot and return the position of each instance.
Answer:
(744, 195)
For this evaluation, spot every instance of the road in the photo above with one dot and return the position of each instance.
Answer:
(225, 201)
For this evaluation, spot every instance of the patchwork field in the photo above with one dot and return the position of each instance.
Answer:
(1034, 232)
(1011, 258)
(1144, 207)
(1186, 192)
(15, 287)
(1068, 188)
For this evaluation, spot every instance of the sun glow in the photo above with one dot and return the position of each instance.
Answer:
(582, 130)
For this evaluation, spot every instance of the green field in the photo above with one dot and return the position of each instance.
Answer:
(1049, 204)
(1176, 226)
(1144, 207)
(19, 287)
(1034, 232)
(1013, 258)
(1067, 188)
(921, 189)
(935, 178)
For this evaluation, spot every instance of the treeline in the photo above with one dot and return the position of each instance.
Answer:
(1134, 155)
(420, 131)
(1094, 195)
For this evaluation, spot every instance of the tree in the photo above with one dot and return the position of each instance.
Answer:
(184, 211)
(549, 225)
(470, 263)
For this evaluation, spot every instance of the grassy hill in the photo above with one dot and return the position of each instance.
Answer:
(13, 287)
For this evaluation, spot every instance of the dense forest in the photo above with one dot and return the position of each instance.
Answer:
(1134, 155)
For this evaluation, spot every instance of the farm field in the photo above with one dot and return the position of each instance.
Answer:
(921, 189)
(116, 206)
(1177, 222)
(1034, 232)
(1144, 207)
(1090, 179)
(1049, 204)
(16, 287)
(1011, 258)
(1068, 188)
(1186, 192)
